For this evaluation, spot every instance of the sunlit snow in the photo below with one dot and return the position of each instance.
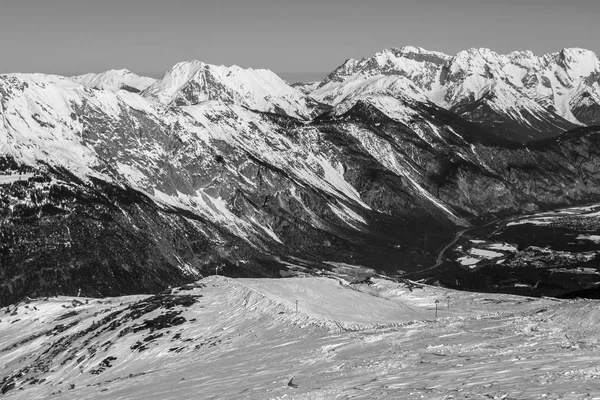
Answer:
(244, 339)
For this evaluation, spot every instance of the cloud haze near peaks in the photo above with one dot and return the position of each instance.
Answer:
(296, 38)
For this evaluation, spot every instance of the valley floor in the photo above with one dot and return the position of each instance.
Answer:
(243, 339)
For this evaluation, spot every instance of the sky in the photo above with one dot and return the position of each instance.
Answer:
(301, 39)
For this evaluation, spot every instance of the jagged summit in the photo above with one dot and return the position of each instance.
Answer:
(549, 93)
(408, 51)
(404, 61)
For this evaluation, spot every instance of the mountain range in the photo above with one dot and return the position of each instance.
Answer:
(115, 184)
(520, 96)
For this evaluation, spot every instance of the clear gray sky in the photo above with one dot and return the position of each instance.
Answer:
(300, 38)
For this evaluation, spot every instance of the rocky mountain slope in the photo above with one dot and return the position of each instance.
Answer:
(111, 192)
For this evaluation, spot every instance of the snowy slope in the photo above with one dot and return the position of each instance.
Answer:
(360, 86)
(548, 79)
(305, 87)
(115, 80)
(504, 111)
(39, 124)
(223, 338)
(190, 83)
(419, 65)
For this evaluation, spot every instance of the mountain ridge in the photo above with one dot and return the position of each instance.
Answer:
(115, 80)
(192, 82)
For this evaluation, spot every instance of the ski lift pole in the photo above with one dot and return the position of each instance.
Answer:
(296, 306)
(436, 305)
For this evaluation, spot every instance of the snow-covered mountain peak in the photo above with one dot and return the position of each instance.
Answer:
(402, 61)
(579, 63)
(576, 53)
(419, 50)
(194, 82)
(477, 61)
(396, 60)
(563, 84)
(348, 68)
(474, 52)
(521, 54)
(119, 72)
(115, 79)
(524, 59)
(408, 52)
(39, 79)
(421, 66)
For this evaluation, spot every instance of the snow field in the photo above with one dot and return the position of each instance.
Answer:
(243, 339)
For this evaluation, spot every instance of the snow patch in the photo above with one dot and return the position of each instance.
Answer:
(468, 261)
(502, 246)
(348, 215)
(7, 179)
(485, 253)
(592, 238)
